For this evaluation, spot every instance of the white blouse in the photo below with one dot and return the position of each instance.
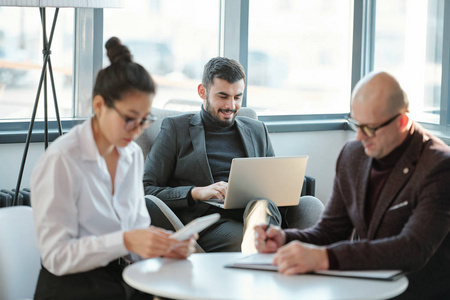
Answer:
(79, 222)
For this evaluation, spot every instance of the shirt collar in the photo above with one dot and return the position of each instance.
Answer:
(88, 147)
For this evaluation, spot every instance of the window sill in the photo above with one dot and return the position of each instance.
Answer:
(303, 123)
(16, 131)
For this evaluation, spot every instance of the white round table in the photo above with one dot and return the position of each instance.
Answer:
(203, 276)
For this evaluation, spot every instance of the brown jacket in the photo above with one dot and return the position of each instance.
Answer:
(410, 226)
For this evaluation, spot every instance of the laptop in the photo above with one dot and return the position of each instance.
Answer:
(279, 179)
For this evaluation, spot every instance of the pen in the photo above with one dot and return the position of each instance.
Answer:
(267, 230)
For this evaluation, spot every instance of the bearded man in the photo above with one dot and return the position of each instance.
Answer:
(191, 158)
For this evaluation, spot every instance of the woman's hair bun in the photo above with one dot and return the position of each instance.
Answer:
(116, 51)
(122, 75)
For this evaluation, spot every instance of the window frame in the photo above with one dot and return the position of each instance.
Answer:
(234, 18)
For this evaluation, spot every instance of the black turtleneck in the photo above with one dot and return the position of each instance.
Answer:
(379, 173)
(222, 145)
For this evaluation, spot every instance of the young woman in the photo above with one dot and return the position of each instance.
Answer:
(87, 193)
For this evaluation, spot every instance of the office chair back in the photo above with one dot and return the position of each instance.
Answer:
(19, 257)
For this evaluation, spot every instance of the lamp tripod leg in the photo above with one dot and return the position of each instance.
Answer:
(43, 80)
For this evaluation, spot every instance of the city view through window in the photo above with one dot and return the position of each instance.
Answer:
(299, 57)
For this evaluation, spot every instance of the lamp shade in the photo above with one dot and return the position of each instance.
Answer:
(65, 3)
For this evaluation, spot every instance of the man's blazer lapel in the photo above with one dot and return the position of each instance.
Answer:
(399, 176)
(247, 139)
(197, 134)
(361, 191)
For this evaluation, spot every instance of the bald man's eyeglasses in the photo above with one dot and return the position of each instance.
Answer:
(369, 131)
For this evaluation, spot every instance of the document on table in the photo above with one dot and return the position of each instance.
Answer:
(257, 261)
(264, 262)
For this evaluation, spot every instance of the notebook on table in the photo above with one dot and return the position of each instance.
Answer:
(279, 179)
(262, 261)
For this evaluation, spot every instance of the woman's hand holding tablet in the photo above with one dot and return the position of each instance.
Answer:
(195, 226)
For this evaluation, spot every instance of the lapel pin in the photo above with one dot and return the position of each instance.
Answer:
(405, 171)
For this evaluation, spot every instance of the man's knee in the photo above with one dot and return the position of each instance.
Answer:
(264, 204)
(263, 208)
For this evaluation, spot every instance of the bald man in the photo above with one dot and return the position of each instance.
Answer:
(390, 205)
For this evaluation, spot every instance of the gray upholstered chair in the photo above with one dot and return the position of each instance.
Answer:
(313, 207)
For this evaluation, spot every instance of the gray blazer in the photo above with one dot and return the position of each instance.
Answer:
(410, 226)
(178, 161)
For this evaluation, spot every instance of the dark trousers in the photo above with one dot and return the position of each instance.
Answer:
(427, 286)
(223, 236)
(101, 283)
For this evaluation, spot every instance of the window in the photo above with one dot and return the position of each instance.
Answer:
(173, 40)
(21, 61)
(408, 44)
(299, 58)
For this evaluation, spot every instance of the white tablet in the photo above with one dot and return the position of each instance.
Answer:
(195, 226)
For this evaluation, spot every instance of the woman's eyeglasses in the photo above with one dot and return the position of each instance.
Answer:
(133, 123)
(368, 131)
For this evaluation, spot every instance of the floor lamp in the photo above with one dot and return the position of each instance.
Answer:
(47, 64)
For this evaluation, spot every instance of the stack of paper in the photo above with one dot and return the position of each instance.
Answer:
(264, 262)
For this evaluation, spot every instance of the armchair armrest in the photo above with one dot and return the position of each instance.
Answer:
(171, 217)
(309, 186)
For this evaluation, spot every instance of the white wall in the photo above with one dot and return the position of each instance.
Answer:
(10, 160)
(322, 147)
